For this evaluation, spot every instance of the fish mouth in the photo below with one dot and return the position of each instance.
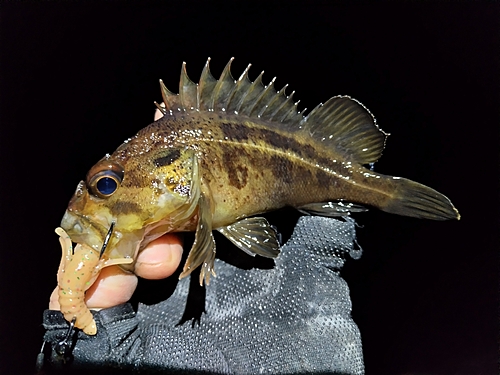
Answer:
(82, 229)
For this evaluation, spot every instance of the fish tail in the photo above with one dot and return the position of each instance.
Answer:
(416, 200)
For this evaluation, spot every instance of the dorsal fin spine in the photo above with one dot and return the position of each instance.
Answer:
(236, 86)
(230, 96)
(159, 106)
(301, 113)
(187, 91)
(275, 101)
(282, 111)
(275, 104)
(261, 101)
(205, 88)
(293, 116)
(249, 97)
(304, 122)
(223, 87)
(168, 96)
(289, 114)
(240, 91)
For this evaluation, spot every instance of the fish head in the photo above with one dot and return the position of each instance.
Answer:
(144, 196)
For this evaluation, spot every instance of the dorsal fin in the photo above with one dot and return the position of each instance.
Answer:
(342, 123)
(349, 125)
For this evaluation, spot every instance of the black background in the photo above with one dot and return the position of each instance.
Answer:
(77, 79)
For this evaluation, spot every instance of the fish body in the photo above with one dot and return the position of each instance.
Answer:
(226, 150)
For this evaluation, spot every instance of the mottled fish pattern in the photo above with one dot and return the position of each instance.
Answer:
(227, 150)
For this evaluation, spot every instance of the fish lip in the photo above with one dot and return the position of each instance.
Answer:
(82, 229)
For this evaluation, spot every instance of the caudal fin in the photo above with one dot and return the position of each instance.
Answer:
(417, 200)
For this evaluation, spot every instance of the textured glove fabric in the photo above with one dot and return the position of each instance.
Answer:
(294, 318)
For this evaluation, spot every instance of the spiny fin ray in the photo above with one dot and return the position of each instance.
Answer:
(275, 104)
(170, 99)
(251, 96)
(188, 91)
(223, 88)
(206, 88)
(240, 90)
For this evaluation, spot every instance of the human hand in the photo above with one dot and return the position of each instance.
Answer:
(283, 312)
(115, 286)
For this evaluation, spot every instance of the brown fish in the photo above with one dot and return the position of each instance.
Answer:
(227, 150)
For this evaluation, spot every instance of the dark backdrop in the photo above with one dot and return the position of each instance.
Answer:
(76, 80)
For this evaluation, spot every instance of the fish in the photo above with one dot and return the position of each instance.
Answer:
(226, 151)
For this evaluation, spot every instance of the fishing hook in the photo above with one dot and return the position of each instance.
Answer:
(62, 346)
(106, 239)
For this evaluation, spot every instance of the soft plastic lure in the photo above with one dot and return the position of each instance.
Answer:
(77, 272)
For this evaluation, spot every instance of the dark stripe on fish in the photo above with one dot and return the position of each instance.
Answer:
(240, 132)
(168, 159)
(123, 207)
(237, 172)
(282, 168)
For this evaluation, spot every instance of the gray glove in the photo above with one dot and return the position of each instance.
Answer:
(293, 318)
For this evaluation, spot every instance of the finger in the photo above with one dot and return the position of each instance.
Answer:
(113, 287)
(54, 300)
(158, 113)
(160, 258)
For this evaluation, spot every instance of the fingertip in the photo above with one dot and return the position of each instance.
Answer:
(54, 300)
(158, 114)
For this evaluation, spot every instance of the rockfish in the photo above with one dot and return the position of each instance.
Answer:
(226, 150)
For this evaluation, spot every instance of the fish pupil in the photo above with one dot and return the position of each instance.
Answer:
(106, 185)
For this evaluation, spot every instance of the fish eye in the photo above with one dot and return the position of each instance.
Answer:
(106, 185)
(105, 181)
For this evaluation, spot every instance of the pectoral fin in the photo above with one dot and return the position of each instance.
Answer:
(331, 209)
(253, 235)
(203, 250)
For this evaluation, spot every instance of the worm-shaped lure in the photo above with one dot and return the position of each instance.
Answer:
(77, 272)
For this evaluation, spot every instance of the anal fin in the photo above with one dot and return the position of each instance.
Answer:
(331, 209)
(254, 236)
